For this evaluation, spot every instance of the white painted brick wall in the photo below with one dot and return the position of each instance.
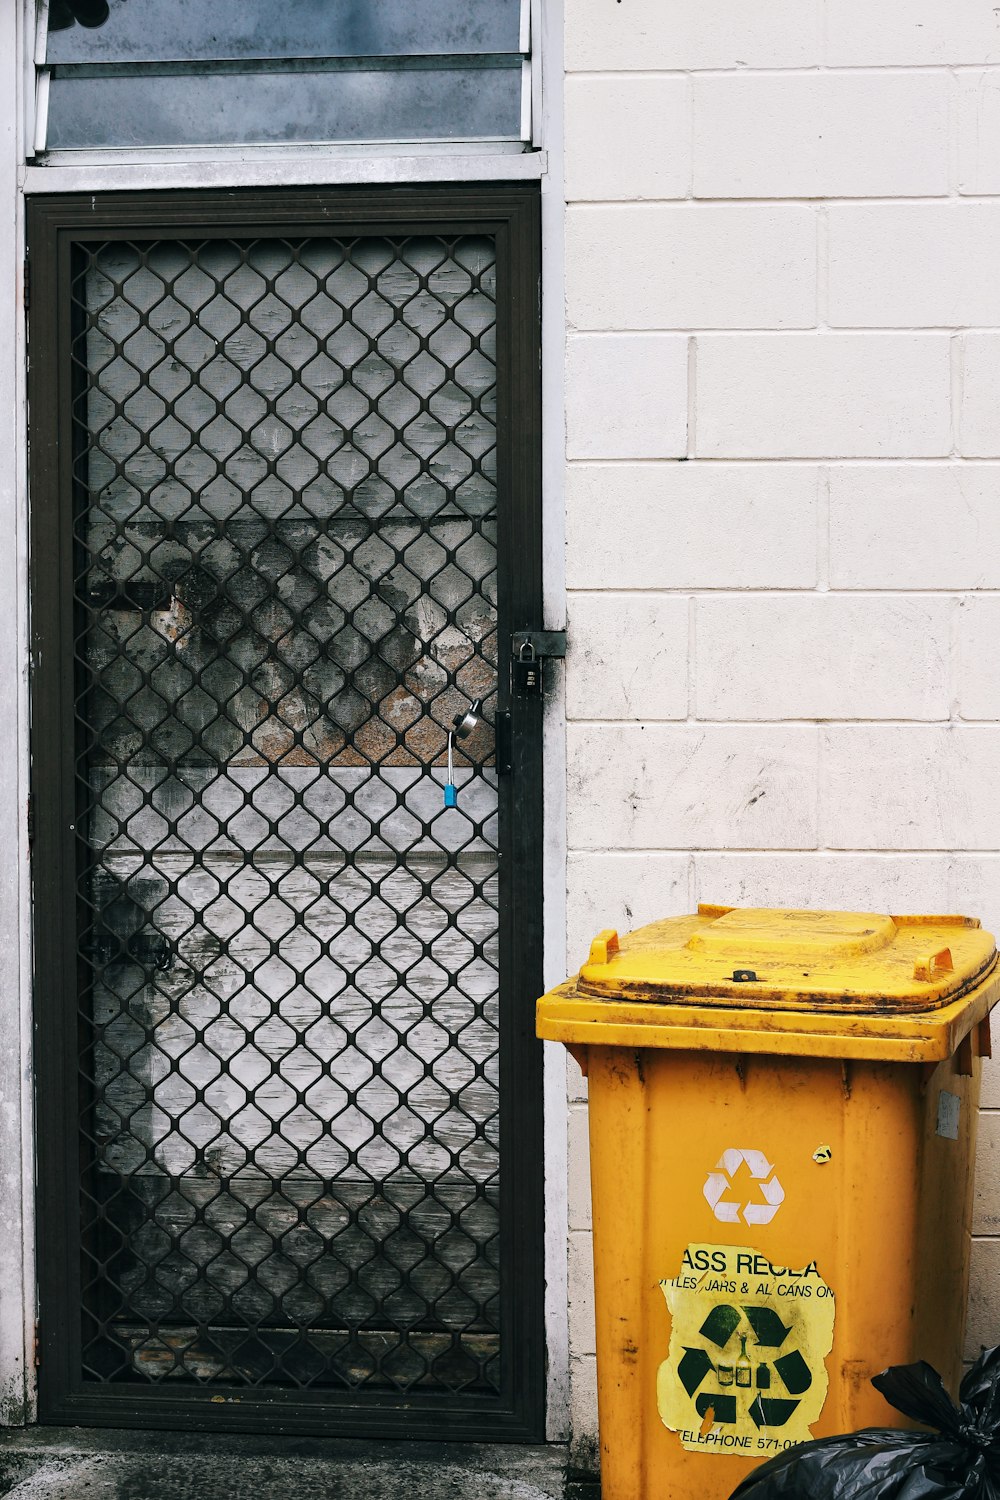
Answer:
(627, 138)
(626, 395)
(910, 786)
(807, 135)
(690, 265)
(820, 395)
(978, 131)
(894, 265)
(640, 35)
(978, 408)
(783, 549)
(822, 656)
(692, 786)
(604, 680)
(684, 526)
(978, 687)
(899, 33)
(914, 526)
(855, 881)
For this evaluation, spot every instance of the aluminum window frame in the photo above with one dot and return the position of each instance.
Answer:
(35, 122)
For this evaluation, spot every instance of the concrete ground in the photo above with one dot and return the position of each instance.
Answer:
(53, 1463)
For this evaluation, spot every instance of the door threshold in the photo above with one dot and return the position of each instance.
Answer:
(64, 1463)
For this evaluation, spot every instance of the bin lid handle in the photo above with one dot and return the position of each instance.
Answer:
(604, 944)
(940, 962)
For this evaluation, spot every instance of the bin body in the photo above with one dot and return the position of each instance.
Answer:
(782, 1205)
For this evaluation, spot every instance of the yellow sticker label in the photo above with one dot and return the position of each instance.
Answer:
(745, 1371)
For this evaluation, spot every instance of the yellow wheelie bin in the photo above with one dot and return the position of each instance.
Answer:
(782, 1137)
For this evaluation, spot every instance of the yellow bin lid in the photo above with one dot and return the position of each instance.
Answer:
(788, 959)
(770, 975)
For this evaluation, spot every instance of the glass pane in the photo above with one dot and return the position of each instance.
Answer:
(189, 30)
(412, 103)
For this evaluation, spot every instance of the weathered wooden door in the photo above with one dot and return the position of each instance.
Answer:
(285, 521)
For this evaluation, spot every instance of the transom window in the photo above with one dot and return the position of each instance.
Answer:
(133, 74)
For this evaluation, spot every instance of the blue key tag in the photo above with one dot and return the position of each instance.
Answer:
(450, 789)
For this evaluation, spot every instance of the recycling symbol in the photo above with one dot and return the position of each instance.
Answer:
(719, 1182)
(733, 1367)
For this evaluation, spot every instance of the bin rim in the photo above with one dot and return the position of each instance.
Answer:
(928, 1037)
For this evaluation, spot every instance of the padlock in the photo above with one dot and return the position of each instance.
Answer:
(463, 724)
(527, 670)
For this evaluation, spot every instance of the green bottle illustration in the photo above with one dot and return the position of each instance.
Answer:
(744, 1371)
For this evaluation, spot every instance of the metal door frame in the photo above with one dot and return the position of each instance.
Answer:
(510, 213)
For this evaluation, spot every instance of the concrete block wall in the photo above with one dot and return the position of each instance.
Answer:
(782, 482)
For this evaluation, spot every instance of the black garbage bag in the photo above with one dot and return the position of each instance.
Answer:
(960, 1460)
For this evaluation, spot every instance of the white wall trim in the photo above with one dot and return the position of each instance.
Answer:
(17, 1268)
(550, 116)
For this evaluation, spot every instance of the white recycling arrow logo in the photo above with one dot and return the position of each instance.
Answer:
(718, 1183)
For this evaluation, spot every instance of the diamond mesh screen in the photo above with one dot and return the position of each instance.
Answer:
(285, 590)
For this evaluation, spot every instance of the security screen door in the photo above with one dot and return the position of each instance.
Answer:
(285, 521)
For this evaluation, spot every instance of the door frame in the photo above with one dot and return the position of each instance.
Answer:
(511, 214)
